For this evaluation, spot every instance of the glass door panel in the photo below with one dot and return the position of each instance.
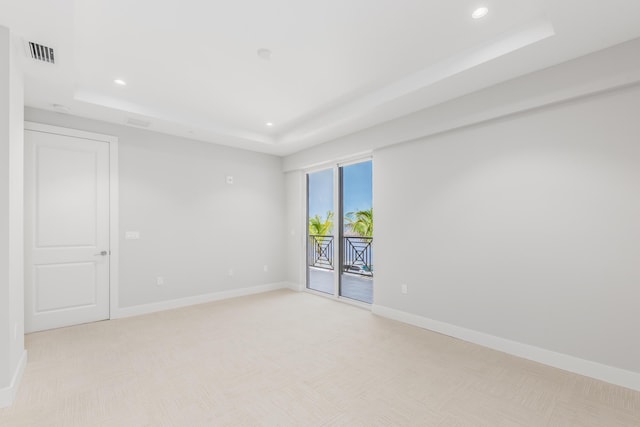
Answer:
(321, 242)
(356, 231)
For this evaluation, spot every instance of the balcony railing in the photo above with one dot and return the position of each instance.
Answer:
(357, 255)
(320, 251)
(356, 252)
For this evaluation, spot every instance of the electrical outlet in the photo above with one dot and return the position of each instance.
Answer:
(266, 268)
(229, 179)
(159, 280)
(404, 288)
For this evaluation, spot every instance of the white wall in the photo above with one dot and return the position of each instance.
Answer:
(16, 211)
(295, 185)
(526, 228)
(194, 227)
(5, 131)
(11, 218)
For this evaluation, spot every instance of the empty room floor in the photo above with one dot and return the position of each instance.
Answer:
(293, 359)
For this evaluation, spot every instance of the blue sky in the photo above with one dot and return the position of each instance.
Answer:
(358, 191)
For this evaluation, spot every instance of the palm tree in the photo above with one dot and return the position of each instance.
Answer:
(321, 227)
(360, 222)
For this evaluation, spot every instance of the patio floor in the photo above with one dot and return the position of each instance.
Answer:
(354, 286)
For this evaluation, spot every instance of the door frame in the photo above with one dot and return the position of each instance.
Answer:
(113, 200)
(335, 166)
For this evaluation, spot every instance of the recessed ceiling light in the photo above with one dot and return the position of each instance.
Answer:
(120, 82)
(480, 12)
(269, 124)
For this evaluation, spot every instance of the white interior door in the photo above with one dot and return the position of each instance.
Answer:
(66, 230)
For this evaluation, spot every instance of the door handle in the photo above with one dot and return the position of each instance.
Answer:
(103, 253)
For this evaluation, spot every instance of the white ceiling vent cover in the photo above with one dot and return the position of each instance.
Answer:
(41, 52)
(137, 122)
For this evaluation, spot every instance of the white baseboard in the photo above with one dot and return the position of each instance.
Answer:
(138, 310)
(8, 394)
(562, 361)
(295, 286)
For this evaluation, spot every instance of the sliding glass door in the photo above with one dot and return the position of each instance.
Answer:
(340, 231)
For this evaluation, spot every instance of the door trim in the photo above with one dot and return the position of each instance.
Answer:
(114, 194)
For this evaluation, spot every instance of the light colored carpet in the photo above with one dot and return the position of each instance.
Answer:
(294, 359)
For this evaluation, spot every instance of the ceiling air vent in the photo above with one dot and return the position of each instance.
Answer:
(137, 122)
(41, 53)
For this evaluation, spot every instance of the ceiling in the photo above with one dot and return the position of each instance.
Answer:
(192, 67)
